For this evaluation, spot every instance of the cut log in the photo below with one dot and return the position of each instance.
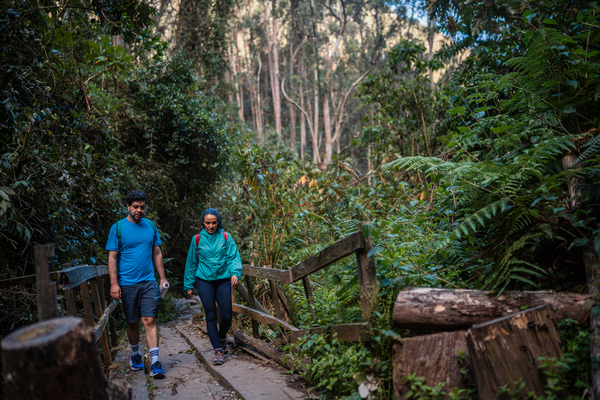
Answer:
(447, 309)
(508, 349)
(55, 359)
(437, 358)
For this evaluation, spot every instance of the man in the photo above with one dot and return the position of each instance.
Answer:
(132, 250)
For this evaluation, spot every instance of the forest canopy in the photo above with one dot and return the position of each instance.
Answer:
(466, 135)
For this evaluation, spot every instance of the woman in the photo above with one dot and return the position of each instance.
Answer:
(214, 263)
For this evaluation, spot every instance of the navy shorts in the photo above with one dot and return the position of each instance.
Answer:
(140, 300)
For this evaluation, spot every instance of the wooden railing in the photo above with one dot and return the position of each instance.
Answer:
(94, 286)
(367, 280)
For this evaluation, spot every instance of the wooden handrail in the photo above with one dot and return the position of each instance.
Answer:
(67, 278)
(355, 243)
(103, 322)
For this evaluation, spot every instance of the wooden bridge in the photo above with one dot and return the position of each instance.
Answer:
(43, 341)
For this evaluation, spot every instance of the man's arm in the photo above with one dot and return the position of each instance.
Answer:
(115, 289)
(157, 257)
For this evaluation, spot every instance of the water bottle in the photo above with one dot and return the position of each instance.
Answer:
(164, 288)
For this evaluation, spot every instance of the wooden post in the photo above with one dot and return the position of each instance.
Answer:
(234, 324)
(70, 296)
(55, 359)
(367, 278)
(508, 349)
(99, 305)
(309, 295)
(46, 290)
(87, 303)
(252, 304)
(275, 298)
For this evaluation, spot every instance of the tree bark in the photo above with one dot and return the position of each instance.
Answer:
(507, 350)
(292, 53)
(590, 262)
(55, 359)
(447, 309)
(437, 358)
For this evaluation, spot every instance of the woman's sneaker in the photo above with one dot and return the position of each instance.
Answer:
(219, 358)
(224, 346)
(136, 362)
(157, 371)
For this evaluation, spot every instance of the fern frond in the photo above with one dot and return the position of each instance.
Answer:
(594, 147)
(489, 211)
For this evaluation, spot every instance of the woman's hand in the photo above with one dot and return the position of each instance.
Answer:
(189, 292)
(234, 281)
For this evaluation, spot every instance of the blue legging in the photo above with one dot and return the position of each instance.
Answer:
(219, 291)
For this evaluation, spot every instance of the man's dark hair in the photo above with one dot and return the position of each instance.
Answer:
(136, 195)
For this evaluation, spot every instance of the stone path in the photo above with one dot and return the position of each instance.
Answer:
(186, 356)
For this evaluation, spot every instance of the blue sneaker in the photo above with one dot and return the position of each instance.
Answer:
(156, 371)
(136, 362)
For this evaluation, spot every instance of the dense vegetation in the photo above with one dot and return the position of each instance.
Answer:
(482, 173)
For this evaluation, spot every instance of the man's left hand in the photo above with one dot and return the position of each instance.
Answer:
(234, 281)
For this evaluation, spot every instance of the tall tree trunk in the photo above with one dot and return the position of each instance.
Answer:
(276, 92)
(430, 38)
(327, 130)
(292, 109)
(273, 52)
(239, 86)
(316, 137)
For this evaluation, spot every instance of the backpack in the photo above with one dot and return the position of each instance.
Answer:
(120, 231)
(197, 239)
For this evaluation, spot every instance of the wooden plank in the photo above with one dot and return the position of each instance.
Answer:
(270, 351)
(69, 295)
(355, 332)
(275, 299)
(367, 277)
(103, 322)
(99, 312)
(46, 291)
(112, 327)
(510, 348)
(262, 317)
(273, 274)
(241, 289)
(234, 324)
(74, 276)
(67, 278)
(87, 303)
(328, 256)
(252, 303)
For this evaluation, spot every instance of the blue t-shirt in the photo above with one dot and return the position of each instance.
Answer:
(134, 264)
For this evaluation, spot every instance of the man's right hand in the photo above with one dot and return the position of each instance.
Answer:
(115, 291)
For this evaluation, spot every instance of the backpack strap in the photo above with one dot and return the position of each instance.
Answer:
(119, 233)
(197, 239)
(225, 235)
(154, 228)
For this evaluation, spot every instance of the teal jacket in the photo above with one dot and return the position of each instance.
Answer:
(216, 259)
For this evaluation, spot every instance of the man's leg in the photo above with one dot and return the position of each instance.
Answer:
(149, 306)
(130, 295)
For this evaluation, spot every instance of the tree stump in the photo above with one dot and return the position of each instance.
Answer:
(433, 357)
(508, 349)
(55, 359)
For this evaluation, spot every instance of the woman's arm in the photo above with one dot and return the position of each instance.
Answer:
(234, 261)
(191, 264)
